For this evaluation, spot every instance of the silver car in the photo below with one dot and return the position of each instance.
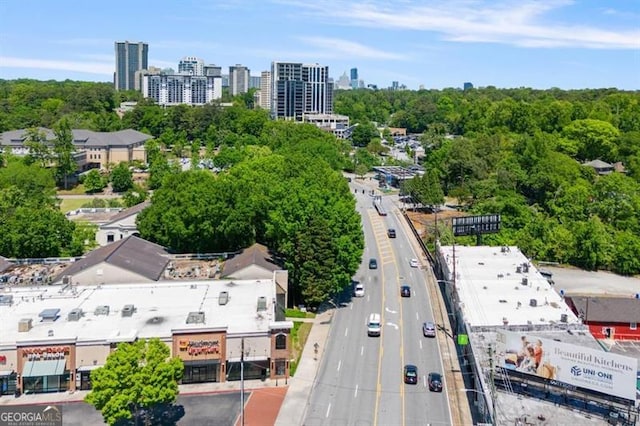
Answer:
(429, 329)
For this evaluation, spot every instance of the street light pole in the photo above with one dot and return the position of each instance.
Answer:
(242, 380)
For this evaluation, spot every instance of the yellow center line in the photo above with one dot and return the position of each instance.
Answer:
(381, 349)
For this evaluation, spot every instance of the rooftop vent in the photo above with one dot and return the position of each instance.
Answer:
(128, 310)
(101, 310)
(51, 314)
(533, 303)
(525, 268)
(75, 314)
(262, 303)
(195, 318)
(50, 333)
(66, 280)
(223, 298)
(518, 269)
(6, 299)
(564, 318)
(525, 281)
(24, 325)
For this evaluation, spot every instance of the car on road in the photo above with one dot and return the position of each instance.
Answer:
(435, 382)
(391, 233)
(410, 374)
(414, 263)
(358, 290)
(405, 291)
(374, 326)
(429, 329)
(373, 264)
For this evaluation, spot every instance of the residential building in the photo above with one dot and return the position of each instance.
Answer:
(239, 77)
(190, 65)
(265, 90)
(334, 123)
(609, 317)
(254, 82)
(298, 89)
(354, 78)
(130, 57)
(93, 149)
(169, 90)
(120, 226)
(213, 70)
(601, 167)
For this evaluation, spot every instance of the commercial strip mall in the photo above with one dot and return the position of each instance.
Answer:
(51, 337)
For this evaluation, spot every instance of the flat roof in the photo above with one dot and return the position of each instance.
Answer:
(580, 282)
(493, 293)
(159, 308)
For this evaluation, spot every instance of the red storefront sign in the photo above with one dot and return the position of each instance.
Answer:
(199, 347)
(42, 351)
(3, 359)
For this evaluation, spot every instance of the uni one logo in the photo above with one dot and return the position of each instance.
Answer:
(577, 371)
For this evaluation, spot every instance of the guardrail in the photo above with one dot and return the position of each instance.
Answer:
(426, 251)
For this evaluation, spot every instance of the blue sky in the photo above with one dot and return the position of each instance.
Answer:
(437, 44)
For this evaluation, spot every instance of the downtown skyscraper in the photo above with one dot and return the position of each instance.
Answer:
(130, 58)
(298, 89)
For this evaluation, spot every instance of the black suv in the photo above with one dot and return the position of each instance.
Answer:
(373, 264)
(391, 233)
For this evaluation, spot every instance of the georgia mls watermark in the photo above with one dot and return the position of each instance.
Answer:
(31, 415)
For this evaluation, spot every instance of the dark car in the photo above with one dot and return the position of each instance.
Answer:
(429, 329)
(405, 291)
(391, 233)
(435, 382)
(373, 264)
(410, 374)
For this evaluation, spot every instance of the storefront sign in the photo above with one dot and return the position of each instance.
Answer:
(57, 352)
(3, 360)
(199, 347)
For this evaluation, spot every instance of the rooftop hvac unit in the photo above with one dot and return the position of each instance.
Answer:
(223, 298)
(66, 279)
(128, 310)
(525, 281)
(525, 268)
(533, 303)
(102, 310)
(262, 303)
(6, 299)
(74, 314)
(564, 317)
(518, 269)
(25, 325)
(195, 318)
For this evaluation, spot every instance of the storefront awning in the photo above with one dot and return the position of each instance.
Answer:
(88, 367)
(4, 373)
(48, 367)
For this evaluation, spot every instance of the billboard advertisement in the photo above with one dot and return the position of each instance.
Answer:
(574, 365)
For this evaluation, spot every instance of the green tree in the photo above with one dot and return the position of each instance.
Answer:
(363, 134)
(596, 138)
(63, 151)
(93, 182)
(135, 195)
(36, 142)
(121, 178)
(136, 378)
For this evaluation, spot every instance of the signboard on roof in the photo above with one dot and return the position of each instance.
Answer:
(567, 364)
(474, 225)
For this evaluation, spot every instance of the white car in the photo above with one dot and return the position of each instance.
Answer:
(359, 290)
(414, 263)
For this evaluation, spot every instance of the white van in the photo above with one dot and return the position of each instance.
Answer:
(373, 325)
(359, 290)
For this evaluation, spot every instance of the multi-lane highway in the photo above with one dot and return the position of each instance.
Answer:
(360, 381)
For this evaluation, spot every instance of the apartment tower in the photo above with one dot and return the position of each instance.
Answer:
(130, 58)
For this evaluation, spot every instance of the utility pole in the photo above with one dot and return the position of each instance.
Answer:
(242, 380)
(492, 386)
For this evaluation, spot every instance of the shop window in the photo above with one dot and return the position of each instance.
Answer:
(633, 326)
(110, 238)
(281, 367)
(281, 341)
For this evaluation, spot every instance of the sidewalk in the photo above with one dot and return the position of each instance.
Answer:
(295, 404)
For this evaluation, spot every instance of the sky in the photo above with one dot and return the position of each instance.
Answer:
(568, 44)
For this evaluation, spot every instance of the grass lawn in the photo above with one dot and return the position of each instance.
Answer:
(77, 190)
(299, 336)
(72, 204)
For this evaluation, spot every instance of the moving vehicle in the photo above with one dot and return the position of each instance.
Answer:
(414, 263)
(429, 329)
(410, 374)
(373, 264)
(391, 233)
(373, 325)
(405, 291)
(435, 382)
(359, 290)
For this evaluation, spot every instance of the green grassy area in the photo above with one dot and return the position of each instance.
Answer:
(297, 313)
(77, 190)
(72, 204)
(299, 335)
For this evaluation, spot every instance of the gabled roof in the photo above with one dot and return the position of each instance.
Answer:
(598, 164)
(128, 212)
(607, 309)
(257, 254)
(132, 253)
(82, 137)
(4, 263)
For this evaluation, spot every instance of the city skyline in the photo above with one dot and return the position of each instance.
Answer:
(539, 44)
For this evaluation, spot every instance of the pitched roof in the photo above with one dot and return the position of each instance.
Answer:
(607, 309)
(82, 137)
(128, 212)
(132, 253)
(257, 254)
(4, 263)
(598, 164)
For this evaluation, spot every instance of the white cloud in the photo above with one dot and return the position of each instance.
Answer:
(512, 22)
(334, 47)
(101, 68)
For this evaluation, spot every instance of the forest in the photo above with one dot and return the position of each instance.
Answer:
(516, 152)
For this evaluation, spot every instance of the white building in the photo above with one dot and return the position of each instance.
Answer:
(190, 65)
(120, 226)
(239, 78)
(169, 90)
(265, 90)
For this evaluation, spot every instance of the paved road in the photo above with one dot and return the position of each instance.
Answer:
(360, 380)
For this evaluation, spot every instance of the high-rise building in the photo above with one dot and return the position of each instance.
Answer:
(354, 78)
(265, 90)
(239, 77)
(468, 86)
(213, 70)
(169, 90)
(130, 57)
(343, 83)
(190, 65)
(254, 82)
(298, 89)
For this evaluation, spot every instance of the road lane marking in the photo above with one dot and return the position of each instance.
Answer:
(328, 410)
(373, 221)
(390, 324)
(424, 379)
(355, 394)
(339, 364)
(420, 343)
(361, 350)
(417, 317)
(346, 331)
(390, 311)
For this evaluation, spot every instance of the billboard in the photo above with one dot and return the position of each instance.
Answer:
(474, 225)
(574, 365)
